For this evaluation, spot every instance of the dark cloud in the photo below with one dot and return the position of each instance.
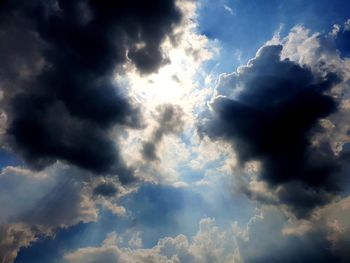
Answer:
(272, 119)
(58, 59)
(169, 121)
(149, 151)
(106, 189)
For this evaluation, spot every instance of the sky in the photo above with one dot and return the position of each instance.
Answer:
(174, 131)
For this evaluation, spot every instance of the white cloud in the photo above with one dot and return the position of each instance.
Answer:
(229, 10)
(135, 240)
(211, 244)
(313, 50)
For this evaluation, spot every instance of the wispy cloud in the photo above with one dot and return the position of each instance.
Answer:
(229, 10)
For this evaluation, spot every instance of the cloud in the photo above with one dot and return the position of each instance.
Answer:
(209, 244)
(273, 236)
(12, 237)
(229, 10)
(267, 243)
(41, 198)
(36, 204)
(64, 106)
(269, 110)
(169, 121)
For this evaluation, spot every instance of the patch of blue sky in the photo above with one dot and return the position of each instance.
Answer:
(255, 21)
(52, 249)
(216, 189)
(158, 211)
(8, 159)
(191, 176)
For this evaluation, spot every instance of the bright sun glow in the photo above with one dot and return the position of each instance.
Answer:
(176, 81)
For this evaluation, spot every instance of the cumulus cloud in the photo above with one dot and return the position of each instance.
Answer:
(60, 102)
(209, 244)
(67, 102)
(271, 110)
(64, 101)
(13, 237)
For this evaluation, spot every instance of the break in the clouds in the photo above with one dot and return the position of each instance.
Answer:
(57, 67)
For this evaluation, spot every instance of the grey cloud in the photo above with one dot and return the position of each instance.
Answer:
(106, 189)
(266, 243)
(270, 115)
(36, 204)
(169, 121)
(12, 237)
(66, 102)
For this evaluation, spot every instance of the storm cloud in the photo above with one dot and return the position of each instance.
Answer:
(57, 76)
(269, 110)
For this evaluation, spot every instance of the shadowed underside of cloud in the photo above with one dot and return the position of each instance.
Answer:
(58, 62)
(59, 102)
(271, 116)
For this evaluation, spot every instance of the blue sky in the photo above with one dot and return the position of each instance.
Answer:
(219, 128)
(252, 23)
